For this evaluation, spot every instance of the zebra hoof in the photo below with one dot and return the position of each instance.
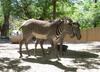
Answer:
(21, 56)
(29, 54)
(44, 54)
(59, 59)
(35, 55)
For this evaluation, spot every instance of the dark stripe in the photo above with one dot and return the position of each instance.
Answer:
(59, 31)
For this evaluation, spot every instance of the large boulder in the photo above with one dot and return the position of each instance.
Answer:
(16, 36)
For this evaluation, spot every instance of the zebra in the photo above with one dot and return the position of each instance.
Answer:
(52, 31)
(76, 33)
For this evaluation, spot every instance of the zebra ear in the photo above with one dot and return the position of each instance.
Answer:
(62, 21)
(76, 24)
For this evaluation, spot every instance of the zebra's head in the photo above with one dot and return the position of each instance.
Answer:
(76, 30)
(68, 26)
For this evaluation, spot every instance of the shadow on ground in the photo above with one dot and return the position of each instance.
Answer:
(78, 58)
(88, 63)
(80, 54)
(7, 64)
(41, 60)
(68, 54)
(4, 40)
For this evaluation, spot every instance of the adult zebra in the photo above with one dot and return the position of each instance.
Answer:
(52, 31)
(76, 33)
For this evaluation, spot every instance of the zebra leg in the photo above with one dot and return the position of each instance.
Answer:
(26, 44)
(41, 44)
(60, 50)
(56, 51)
(61, 43)
(20, 48)
(37, 41)
(51, 48)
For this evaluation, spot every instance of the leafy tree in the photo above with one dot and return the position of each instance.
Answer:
(43, 9)
(1, 15)
(21, 8)
(54, 8)
(96, 20)
(6, 7)
(86, 12)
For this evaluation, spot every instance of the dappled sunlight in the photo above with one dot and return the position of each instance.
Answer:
(78, 58)
(8, 65)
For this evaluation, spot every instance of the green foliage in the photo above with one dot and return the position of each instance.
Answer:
(1, 21)
(15, 24)
(41, 9)
(1, 16)
(6, 6)
(86, 12)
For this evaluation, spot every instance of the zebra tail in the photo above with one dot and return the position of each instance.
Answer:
(18, 30)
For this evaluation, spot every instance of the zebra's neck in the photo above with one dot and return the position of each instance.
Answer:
(59, 31)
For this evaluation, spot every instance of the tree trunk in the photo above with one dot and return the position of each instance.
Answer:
(54, 8)
(6, 7)
(95, 1)
(5, 27)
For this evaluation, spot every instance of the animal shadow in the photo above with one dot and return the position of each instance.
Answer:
(66, 53)
(41, 60)
(80, 54)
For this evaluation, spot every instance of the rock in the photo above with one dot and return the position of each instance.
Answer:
(16, 36)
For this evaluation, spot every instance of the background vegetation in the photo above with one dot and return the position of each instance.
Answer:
(13, 12)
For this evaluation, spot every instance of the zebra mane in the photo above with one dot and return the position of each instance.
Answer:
(67, 20)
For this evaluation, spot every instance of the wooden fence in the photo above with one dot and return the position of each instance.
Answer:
(92, 34)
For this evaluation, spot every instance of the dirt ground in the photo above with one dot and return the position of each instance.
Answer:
(80, 57)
